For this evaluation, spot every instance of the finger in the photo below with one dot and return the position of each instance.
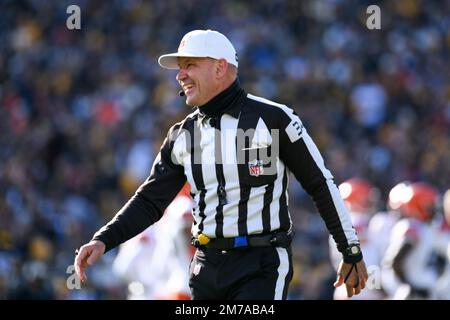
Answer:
(77, 265)
(365, 275)
(362, 275)
(95, 254)
(362, 270)
(81, 256)
(349, 290)
(362, 282)
(357, 290)
(357, 280)
(80, 264)
(82, 275)
(339, 281)
(79, 270)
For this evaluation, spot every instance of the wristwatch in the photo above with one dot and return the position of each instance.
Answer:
(354, 249)
(352, 253)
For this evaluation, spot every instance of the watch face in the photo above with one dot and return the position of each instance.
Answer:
(354, 250)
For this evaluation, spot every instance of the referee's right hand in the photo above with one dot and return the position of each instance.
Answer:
(86, 256)
(354, 276)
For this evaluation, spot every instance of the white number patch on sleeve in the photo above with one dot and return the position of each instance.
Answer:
(295, 129)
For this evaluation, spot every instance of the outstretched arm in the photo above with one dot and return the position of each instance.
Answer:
(142, 210)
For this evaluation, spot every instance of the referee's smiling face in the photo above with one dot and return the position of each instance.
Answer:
(200, 78)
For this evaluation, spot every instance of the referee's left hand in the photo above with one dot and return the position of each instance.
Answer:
(86, 256)
(356, 280)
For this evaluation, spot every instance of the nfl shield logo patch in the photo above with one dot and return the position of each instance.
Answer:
(255, 167)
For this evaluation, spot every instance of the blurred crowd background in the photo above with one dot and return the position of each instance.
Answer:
(83, 113)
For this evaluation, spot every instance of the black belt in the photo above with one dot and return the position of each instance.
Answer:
(275, 239)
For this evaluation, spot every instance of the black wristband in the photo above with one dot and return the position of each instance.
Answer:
(352, 254)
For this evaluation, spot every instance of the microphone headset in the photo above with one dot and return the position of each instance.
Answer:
(181, 93)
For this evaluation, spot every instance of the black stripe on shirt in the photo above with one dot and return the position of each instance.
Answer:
(285, 222)
(197, 173)
(268, 197)
(220, 177)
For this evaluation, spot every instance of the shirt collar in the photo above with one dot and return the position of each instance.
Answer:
(228, 101)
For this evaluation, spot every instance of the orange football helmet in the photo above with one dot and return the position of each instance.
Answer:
(420, 201)
(359, 194)
(397, 195)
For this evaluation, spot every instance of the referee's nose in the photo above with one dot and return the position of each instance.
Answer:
(181, 75)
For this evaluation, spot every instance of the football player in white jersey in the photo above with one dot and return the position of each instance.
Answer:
(361, 198)
(380, 228)
(442, 291)
(412, 244)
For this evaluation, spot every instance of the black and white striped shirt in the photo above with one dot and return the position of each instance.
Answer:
(236, 152)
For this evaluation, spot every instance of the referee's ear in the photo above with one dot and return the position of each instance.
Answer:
(222, 67)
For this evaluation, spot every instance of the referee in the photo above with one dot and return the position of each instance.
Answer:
(236, 151)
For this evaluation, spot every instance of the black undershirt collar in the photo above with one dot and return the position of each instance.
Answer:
(228, 101)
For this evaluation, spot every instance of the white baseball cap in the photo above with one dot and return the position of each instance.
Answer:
(201, 44)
